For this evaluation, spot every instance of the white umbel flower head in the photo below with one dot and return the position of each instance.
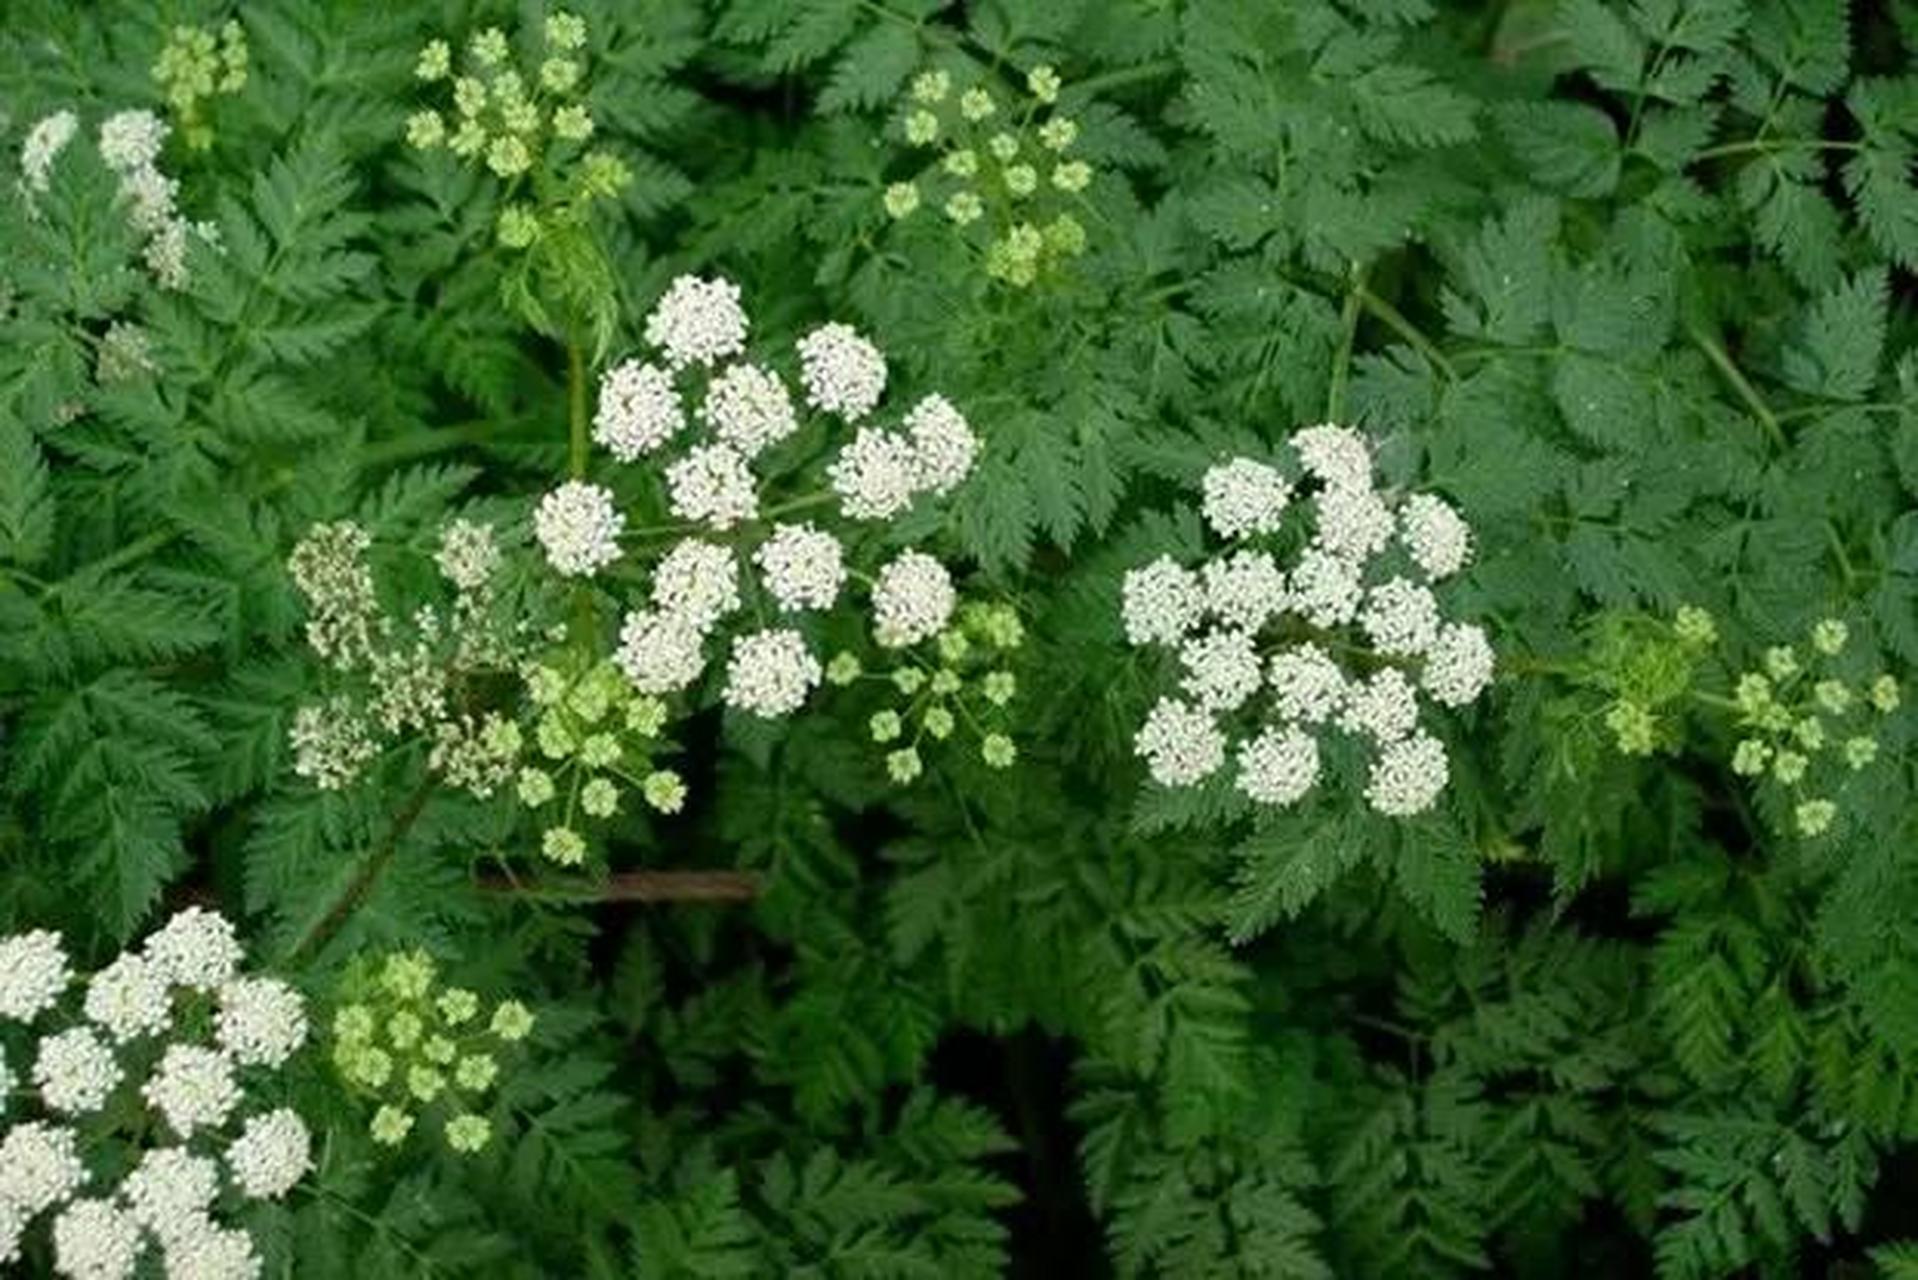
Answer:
(131, 140)
(876, 476)
(749, 408)
(659, 652)
(272, 1153)
(698, 581)
(207, 1251)
(1245, 497)
(468, 554)
(33, 973)
(1407, 776)
(1326, 588)
(1384, 707)
(842, 372)
(1307, 685)
(13, 1225)
(1400, 618)
(1279, 766)
(43, 145)
(261, 1021)
(698, 322)
(579, 528)
(39, 1167)
(638, 410)
(196, 948)
(802, 566)
(1353, 523)
(1221, 669)
(1161, 602)
(76, 1071)
(912, 600)
(129, 998)
(170, 1191)
(1337, 456)
(1439, 540)
(1180, 744)
(95, 1240)
(1458, 666)
(193, 1088)
(771, 673)
(712, 485)
(943, 444)
(1245, 589)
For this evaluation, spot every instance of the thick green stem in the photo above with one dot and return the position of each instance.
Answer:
(1722, 361)
(1342, 359)
(1395, 320)
(576, 410)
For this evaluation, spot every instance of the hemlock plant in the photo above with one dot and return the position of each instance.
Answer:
(874, 638)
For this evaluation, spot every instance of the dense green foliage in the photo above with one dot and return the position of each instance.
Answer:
(1631, 284)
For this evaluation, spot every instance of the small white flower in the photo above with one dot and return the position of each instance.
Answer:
(261, 1021)
(698, 581)
(1278, 766)
(659, 652)
(1180, 745)
(129, 998)
(1458, 666)
(749, 408)
(1407, 776)
(943, 444)
(76, 1071)
(131, 140)
(803, 566)
(698, 322)
(1353, 523)
(638, 410)
(1439, 540)
(1326, 588)
(170, 1190)
(1336, 455)
(272, 1153)
(468, 554)
(206, 1251)
(912, 600)
(1244, 497)
(876, 476)
(196, 948)
(842, 372)
(713, 485)
(771, 673)
(1161, 602)
(44, 143)
(39, 1166)
(1400, 618)
(1245, 589)
(1385, 707)
(1307, 685)
(579, 528)
(192, 1088)
(13, 1225)
(95, 1240)
(1221, 669)
(33, 973)
(332, 742)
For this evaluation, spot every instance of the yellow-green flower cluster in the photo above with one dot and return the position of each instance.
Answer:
(1002, 167)
(420, 1050)
(959, 684)
(195, 64)
(595, 737)
(526, 123)
(1794, 709)
(1647, 667)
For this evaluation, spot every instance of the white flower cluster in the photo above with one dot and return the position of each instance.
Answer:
(130, 143)
(1257, 638)
(699, 333)
(185, 971)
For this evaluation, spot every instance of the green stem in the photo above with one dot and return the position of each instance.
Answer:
(1786, 144)
(799, 504)
(1342, 359)
(1739, 385)
(576, 409)
(1126, 75)
(421, 443)
(1395, 320)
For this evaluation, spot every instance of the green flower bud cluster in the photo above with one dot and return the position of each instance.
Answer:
(1795, 709)
(959, 685)
(1647, 667)
(594, 738)
(197, 64)
(526, 123)
(419, 1050)
(1001, 168)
